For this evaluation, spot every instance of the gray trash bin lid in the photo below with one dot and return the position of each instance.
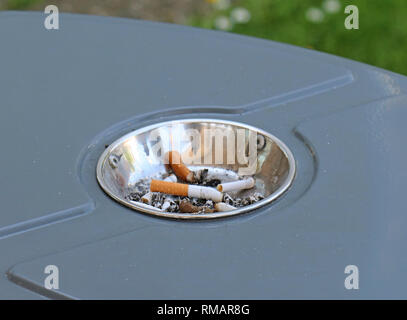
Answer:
(68, 93)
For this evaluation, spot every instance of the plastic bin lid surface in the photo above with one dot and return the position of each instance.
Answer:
(68, 93)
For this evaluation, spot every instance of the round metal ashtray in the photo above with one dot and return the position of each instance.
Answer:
(196, 169)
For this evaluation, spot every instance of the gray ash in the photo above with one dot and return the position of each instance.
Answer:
(139, 190)
(203, 179)
(211, 183)
(171, 203)
(201, 176)
(134, 196)
(228, 199)
(242, 202)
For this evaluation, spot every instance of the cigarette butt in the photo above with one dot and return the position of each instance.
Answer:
(148, 196)
(236, 185)
(181, 189)
(174, 188)
(221, 206)
(179, 168)
(147, 206)
(204, 193)
(187, 207)
(167, 203)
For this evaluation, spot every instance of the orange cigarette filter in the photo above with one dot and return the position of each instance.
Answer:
(174, 188)
(179, 168)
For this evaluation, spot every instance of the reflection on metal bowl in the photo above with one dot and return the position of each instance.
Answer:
(228, 150)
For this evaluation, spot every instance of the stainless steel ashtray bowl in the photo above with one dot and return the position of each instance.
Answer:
(225, 151)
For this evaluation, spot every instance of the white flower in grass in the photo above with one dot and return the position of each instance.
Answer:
(223, 23)
(314, 15)
(240, 15)
(221, 4)
(331, 6)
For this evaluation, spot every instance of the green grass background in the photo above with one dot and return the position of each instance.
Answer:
(380, 40)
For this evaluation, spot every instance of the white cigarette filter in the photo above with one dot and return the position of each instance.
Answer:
(205, 193)
(221, 206)
(167, 203)
(148, 196)
(179, 168)
(186, 190)
(236, 185)
(147, 206)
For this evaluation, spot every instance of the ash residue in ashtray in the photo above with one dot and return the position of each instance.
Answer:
(170, 203)
(181, 190)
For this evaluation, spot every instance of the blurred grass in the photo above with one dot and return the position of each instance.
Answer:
(380, 40)
(19, 4)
